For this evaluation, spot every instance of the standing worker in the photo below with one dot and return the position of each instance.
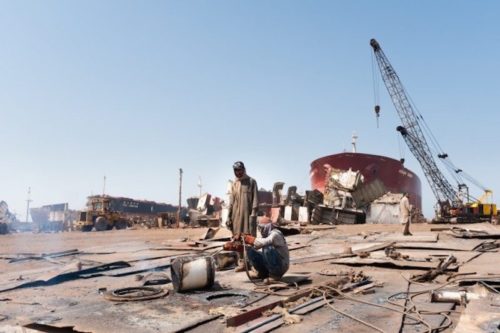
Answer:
(404, 213)
(243, 206)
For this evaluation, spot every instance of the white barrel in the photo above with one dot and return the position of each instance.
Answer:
(190, 273)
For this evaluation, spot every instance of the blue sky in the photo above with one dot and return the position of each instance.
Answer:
(135, 90)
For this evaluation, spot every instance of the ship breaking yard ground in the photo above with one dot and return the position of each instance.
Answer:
(343, 278)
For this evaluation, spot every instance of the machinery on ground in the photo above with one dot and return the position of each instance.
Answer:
(105, 213)
(452, 205)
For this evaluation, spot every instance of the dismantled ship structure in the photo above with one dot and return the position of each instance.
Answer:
(52, 218)
(6, 218)
(356, 187)
(105, 212)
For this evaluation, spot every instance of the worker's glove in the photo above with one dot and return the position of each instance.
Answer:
(233, 246)
(249, 239)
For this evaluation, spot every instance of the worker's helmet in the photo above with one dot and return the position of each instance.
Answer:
(238, 165)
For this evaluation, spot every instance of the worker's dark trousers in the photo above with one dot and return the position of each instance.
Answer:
(267, 263)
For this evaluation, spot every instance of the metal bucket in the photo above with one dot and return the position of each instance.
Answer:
(189, 273)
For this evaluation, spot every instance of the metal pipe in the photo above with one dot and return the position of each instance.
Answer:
(448, 296)
(180, 198)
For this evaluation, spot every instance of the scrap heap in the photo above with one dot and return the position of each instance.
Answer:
(6, 218)
(338, 203)
(346, 200)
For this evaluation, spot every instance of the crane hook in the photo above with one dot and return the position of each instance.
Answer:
(377, 112)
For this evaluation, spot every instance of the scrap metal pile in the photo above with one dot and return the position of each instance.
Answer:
(7, 219)
(342, 278)
(345, 200)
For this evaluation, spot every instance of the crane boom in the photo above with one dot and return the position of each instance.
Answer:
(412, 132)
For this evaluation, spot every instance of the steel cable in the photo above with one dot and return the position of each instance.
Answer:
(410, 315)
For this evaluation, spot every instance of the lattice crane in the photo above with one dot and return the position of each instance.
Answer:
(448, 198)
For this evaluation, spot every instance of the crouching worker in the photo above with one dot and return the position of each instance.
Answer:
(273, 260)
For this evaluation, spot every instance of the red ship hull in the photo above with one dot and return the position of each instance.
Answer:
(396, 178)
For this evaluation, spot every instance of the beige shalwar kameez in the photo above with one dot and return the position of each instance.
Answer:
(243, 202)
(404, 214)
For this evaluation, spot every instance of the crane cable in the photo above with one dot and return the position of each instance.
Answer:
(376, 89)
(376, 102)
(457, 174)
(433, 145)
(401, 147)
(376, 82)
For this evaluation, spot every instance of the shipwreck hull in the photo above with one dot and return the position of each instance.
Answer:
(136, 207)
(395, 177)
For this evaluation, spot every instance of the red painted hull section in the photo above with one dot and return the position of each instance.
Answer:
(391, 172)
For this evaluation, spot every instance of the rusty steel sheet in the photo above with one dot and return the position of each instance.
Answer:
(371, 247)
(64, 274)
(397, 237)
(387, 262)
(448, 244)
(482, 265)
(320, 257)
